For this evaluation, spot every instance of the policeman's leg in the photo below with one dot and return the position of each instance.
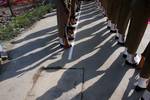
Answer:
(123, 19)
(61, 19)
(144, 76)
(137, 29)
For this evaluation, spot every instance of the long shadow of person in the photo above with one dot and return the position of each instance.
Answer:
(31, 54)
(89, 63)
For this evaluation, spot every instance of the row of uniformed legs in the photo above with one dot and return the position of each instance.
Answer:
(120, 13)
(138, 25)
(65, 19)
(138, 14)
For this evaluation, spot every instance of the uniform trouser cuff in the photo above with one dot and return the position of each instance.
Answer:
(143, 82)
(109, 23)
(120, 38)
(130, 58)
(137, 58)
(113, 26)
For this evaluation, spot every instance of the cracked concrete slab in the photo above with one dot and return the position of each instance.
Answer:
(63, 84)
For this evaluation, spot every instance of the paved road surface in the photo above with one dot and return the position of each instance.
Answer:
(92, 70)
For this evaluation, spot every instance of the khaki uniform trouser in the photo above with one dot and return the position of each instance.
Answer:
(73, 5)
(145, 73)
(138, 24)
(104, 3)
(62, 18)
(115, 10)
(109, 9)
(124, 16)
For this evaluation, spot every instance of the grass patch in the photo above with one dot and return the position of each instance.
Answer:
(13, 28)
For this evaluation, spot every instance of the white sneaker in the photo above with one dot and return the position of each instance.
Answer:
(143, 82)
(109, 23)
(137, 58)
(120, 38)
(130, 59)
(113, 27)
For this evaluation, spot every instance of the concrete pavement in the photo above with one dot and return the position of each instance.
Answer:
(96, 70)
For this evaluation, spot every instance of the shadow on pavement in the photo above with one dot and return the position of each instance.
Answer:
(92, 52)
(35, 49)
(95, 51)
